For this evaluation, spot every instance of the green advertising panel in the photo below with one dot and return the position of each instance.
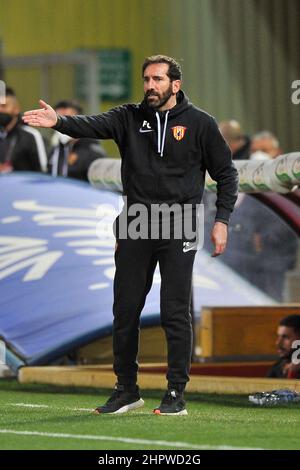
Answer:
(113, 75)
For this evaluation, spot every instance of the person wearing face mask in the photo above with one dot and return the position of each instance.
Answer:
(72, 157)
(264, 146)
(21, 147)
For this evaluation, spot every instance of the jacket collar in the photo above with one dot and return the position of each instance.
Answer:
(182, 104)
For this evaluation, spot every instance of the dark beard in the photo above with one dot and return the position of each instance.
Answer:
(163, 100)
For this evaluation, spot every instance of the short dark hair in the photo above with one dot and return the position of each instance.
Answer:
(291, 321)
(69, 104)
(10, 92)
(174, 72)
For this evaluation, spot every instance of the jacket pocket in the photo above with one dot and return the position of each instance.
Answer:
(179, 188)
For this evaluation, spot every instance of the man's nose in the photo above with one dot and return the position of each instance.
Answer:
(150, 84)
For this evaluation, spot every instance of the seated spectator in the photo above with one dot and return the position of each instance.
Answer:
(288, 332)
(21, 147)
(238, 142)
(72, 157)
(264, 146)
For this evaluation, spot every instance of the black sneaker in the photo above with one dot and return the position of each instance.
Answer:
(171, 404)
(121, 401)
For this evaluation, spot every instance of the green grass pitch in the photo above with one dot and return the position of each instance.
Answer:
(50, 417)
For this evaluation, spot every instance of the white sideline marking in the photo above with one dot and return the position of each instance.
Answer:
(31, 405)
(124, 439)
(81, 409)
(28, 405)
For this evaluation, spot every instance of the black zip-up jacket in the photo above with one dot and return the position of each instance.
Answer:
(164, 154)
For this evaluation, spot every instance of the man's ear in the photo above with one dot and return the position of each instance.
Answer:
(176, 84)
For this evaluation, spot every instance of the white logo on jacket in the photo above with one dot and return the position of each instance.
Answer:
(188, 246)
(146, 127)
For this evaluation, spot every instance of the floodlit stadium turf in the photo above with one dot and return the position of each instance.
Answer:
(48, 417)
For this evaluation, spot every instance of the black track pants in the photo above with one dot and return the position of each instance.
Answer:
(135, 264)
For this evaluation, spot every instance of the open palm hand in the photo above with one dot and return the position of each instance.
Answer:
(43, 117)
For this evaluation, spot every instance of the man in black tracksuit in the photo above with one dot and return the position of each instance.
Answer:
(166, 145)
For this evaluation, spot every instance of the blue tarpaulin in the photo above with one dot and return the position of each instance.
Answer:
(57, 268)
(56, 265)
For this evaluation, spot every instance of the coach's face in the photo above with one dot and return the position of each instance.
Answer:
(158, 88)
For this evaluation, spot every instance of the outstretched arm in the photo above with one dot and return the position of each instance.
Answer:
(109, 125)
(43, 117)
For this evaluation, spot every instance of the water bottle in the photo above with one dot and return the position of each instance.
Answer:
(274, 397)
